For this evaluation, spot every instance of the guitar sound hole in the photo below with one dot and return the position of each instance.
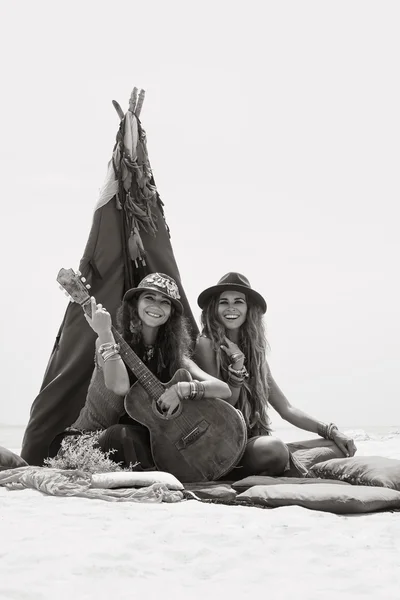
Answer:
(162, 414)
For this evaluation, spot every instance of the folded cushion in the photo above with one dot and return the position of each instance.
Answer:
(361, 470)
(248, 482)
(307, 453)
(327, 497)
(123, 479)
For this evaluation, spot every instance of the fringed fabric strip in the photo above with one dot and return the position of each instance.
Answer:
(59, 482)
(130, 180)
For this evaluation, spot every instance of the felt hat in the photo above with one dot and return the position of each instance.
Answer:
(158, 282)
(232, 281)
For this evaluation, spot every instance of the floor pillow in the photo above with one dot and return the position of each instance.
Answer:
(248, 482)
(327, 497)
(309, 452)
(124, 479)
(361, 470)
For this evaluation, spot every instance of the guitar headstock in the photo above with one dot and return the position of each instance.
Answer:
(74, 286)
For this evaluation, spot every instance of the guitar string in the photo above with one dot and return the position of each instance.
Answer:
(153, 385)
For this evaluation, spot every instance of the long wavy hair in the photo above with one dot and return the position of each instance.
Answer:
(253, 399)
(173, 337)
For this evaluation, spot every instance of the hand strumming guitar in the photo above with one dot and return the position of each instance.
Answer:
(169, 401)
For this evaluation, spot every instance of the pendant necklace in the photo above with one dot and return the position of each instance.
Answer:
(148, 353)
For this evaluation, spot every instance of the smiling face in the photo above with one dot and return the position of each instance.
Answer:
(232, 309)
(154, 309)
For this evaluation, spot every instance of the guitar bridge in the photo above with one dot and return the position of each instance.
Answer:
(192, 436)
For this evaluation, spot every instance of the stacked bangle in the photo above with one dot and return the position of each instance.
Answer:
(109, 351)
(327, 431)
(196, 390)
(237, 377)
(241, 373)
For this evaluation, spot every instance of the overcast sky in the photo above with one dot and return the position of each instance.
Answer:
(273, 132)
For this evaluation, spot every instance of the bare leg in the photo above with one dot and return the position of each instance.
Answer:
(264, 454)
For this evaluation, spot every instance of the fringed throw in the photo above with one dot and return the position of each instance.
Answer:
(60, 482)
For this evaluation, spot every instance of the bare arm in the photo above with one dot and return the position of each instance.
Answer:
(214, 387)
(205, 357)
(302, 420)
(290, 413)
(115, 374)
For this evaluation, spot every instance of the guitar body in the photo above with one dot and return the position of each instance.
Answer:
(202, 441)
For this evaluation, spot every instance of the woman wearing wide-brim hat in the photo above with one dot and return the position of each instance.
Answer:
(233, 347)
(151, 321)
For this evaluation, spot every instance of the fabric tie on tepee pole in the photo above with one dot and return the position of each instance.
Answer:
(128, 239)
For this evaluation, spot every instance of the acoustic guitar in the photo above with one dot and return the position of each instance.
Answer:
(202, 440)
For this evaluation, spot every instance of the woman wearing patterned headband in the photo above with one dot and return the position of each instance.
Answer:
(151, 321)
(232, 346)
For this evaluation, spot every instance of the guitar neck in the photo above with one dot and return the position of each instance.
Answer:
(145, 377)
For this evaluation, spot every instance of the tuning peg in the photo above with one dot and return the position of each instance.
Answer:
(78, 273)
(83, 279)
(66, 293)
(88, 286)
(61, 288)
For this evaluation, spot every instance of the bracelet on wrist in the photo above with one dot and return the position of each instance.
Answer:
(327, 431)
(107, 347)
(196, 390)
(111, 357)
(242, 373)
(332, 429)
(235, 381)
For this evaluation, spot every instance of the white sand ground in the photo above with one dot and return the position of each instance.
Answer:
(77, 548)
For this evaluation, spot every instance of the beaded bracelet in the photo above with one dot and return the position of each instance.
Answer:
(109, 351)
(107, 347)
(326, 431)
(331, 428)
(242, 373)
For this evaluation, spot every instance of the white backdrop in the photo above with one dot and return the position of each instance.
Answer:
(273, 132)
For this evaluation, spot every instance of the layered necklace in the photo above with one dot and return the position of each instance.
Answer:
(148, 353)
